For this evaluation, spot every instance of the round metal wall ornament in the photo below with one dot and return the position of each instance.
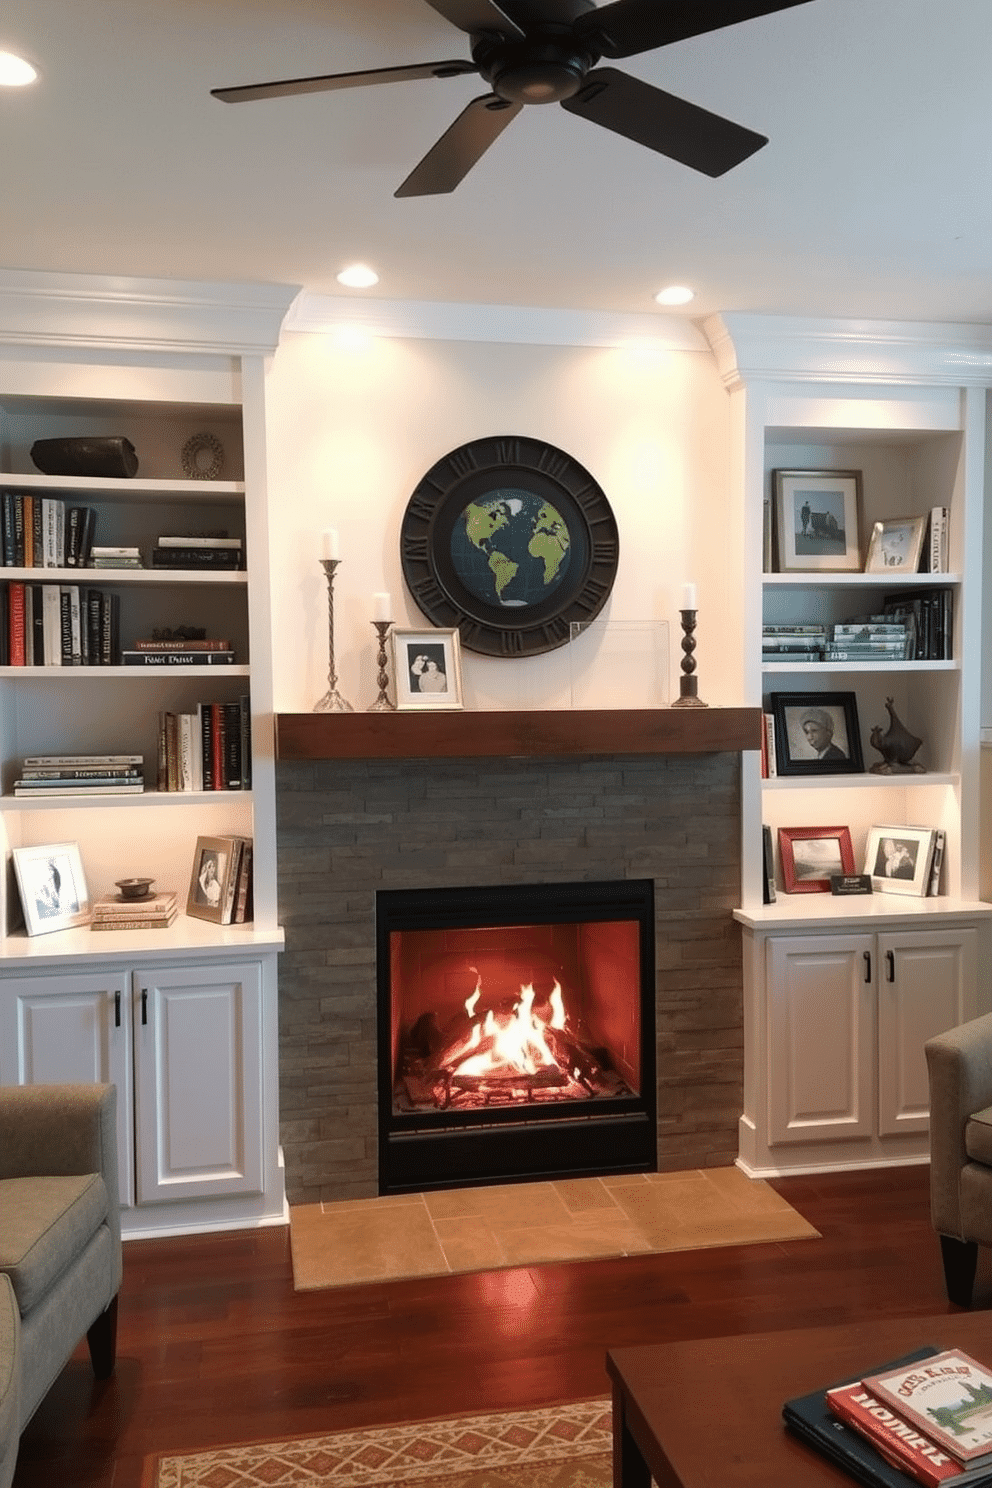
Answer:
(512, 541)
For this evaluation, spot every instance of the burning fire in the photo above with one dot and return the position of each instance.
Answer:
(510, 1042)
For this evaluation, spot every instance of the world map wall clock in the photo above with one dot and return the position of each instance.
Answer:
(512, 541)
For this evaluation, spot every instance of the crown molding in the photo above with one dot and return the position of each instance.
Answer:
(129, 314)
(778, 347)
(430, 320)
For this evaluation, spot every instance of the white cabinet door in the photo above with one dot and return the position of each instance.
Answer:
(68, 1029)
(820, 1037)
(927, 982)
(198, 1081)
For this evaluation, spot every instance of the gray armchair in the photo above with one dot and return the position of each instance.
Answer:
(60, 1242)
(960, 1069)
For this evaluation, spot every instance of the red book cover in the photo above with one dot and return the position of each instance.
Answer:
(217, 743)
(18, 642)
(899, 1442)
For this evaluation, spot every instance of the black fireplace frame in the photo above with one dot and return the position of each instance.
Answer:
(425, 1151)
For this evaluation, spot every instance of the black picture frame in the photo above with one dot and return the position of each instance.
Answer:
(797, 738)
(500, 604)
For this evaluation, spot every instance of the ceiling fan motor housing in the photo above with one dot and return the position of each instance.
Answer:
(539, 69)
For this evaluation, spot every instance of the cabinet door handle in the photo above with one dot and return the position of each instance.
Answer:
(890, 966)
(867, 956)
(144, 1005)
(117, 1009)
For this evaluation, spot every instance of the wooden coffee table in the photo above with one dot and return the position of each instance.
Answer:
(708, 1413)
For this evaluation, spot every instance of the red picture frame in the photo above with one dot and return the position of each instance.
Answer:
(811, 854)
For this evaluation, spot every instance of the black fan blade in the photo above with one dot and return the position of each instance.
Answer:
(334, 80)
(630, 26)
(681, 130)
(477, 16)
(459, 147)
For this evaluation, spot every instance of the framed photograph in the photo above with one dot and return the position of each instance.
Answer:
(210, 881)
(52, 887)
(816, 520)
(817, 733)
(896, 546)
(428, 668)
(811, 854)
(899, 859)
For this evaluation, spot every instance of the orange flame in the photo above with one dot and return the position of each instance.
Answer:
(515, 1041)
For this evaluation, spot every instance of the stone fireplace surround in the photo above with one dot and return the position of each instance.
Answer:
(367, 802)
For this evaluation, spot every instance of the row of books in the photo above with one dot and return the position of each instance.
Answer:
(928, 615)
(208, 749)
(926, 1417)
(873, 638)
(155, 912)
(159, 653)
(58, 625)
(48, 532)
(44, 532)
(44, 775)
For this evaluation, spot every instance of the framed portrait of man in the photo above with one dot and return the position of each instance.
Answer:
(52, 886)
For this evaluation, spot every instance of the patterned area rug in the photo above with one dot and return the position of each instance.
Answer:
(565, 1446)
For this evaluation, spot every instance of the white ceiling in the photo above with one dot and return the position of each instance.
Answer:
(873, 199)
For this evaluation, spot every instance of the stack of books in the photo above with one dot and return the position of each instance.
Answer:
(198, 552)
(115, 557)
(204, 652)
(874, 638)
(44, 775)
(926, 1417)
(928, 615)
(154, 912)
(795, 644)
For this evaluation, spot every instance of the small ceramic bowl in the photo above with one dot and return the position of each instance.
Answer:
(134, 888)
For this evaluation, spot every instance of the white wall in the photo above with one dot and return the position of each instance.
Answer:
(352, 431)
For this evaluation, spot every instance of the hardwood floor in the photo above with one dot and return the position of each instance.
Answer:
(215, 1346)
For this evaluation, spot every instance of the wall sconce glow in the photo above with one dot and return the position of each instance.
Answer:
(15, 72)
(675, 294)
(358, 276)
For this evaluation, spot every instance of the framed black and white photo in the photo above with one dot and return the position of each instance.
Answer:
(899, 859)
(52, 887)
(817, 733)
(428, 669)
(811, 855)
(896, 545)
(816, 520)
(210, 880)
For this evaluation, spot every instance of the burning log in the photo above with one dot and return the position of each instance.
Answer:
(500, 1081)
(573, 1057)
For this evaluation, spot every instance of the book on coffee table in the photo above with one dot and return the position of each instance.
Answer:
(949, 1398)
(900, 1442)
(810, 1418)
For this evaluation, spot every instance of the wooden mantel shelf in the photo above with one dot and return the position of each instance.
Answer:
(315, 736)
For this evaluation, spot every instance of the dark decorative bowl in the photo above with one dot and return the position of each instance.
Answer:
(110, 454)
(134, 888)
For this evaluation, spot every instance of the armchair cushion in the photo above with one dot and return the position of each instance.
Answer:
(978, 1136)
(47, 1224)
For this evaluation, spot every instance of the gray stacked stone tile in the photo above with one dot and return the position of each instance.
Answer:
(347, 829)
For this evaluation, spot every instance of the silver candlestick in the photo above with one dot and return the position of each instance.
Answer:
(332, 701)
(382, 703)
(688, 682)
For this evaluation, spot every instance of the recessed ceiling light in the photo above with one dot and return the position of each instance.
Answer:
(675, 294)
(15, 72)
(358, 276)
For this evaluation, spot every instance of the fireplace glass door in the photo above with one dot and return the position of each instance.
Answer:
(515, 1033)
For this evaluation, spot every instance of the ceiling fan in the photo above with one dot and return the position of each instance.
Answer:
(546, 51)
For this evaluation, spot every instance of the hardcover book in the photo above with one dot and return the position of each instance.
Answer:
(948, 1397)
(904, 1445)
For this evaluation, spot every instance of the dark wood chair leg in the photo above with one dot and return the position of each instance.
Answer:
(960, 1259)
(102, 1339)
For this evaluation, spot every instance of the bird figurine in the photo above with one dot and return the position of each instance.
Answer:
(896, 746)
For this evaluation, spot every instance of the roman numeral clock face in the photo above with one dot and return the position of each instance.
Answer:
(512, 541)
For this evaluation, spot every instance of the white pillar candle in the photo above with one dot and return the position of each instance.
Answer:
(381, 607)
(688, 597)
(329, 547)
